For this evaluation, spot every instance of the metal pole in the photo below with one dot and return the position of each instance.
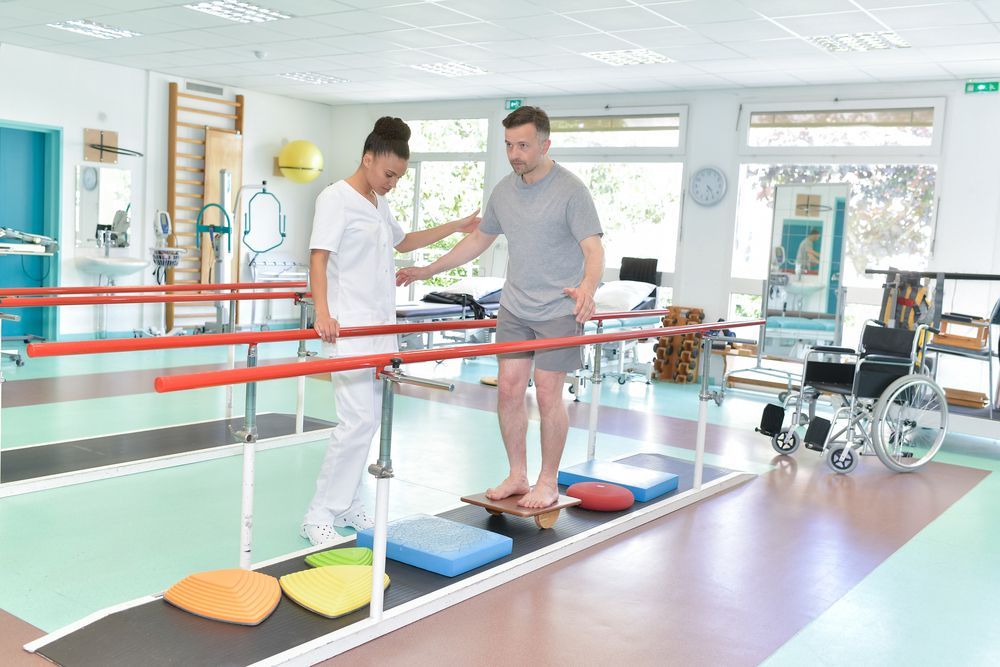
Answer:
(382, 471)
(249, 437)
(595, 397)
(303, 354)
(703, 398)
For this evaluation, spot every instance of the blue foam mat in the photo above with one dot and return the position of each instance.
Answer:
(645, 484)
(439, 545)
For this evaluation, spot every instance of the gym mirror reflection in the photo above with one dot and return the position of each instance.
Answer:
(103, 196)
(804, 292)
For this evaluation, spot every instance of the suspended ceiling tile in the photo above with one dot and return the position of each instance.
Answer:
(656, 37)
(974, 69)
(932, 16)
(777, 8)
(495, 10)
(769, 48)
(417, 38)
(423, 15)
(554, 26)
(831, 24)
(621, 18)
(696, 52)
(739, 31)
(696, 12)
(598, 41)
(360, 23)
(951, 36)
(481, 31)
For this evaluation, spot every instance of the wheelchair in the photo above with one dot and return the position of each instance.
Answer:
(886, 400)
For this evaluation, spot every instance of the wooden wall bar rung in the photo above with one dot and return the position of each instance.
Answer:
(192, 156)
(206, 112)
(198, 170)
(213, 100)
(188, 181)
(188, 140)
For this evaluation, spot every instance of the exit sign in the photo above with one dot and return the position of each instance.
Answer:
(982, 86)
(510, 105)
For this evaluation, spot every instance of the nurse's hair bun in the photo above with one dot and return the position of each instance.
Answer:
(392, 129)
(390, 135)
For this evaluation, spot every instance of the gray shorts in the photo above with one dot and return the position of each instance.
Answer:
(510, 328)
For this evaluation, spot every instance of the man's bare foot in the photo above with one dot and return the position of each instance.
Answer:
(541, 495)
(512, 486)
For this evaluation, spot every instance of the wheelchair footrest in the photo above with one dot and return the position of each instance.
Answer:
(815, 436)
(771, 420)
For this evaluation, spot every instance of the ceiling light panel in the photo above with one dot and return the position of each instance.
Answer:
(92, 29)
(450, 70)
(240, 12)
(628, 57)
(860, 41)
(312, 77)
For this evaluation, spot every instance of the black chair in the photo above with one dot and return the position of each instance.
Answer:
(641, 270)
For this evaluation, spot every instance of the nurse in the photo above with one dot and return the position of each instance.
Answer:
(352, 278)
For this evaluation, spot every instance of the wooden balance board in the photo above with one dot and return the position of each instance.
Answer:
(545, 517)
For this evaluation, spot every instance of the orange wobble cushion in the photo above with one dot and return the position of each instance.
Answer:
(601, 497)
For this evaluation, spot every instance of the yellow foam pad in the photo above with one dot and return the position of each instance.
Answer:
(237, 596)
(333, 590)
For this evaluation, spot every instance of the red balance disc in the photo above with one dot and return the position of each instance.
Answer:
(601, 497)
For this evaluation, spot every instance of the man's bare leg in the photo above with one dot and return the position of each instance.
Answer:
(512, 382)
(554, 425)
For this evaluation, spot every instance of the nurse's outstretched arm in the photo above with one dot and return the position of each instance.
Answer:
(425, 237)
(327, 327)
(472, 246)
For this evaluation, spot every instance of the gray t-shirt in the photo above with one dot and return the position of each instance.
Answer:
(544, 223)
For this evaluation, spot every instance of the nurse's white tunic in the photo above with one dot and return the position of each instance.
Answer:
(361, 289)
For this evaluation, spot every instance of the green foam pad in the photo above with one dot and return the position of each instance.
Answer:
(347, 556)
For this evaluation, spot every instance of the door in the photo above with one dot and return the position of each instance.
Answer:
(22, 207)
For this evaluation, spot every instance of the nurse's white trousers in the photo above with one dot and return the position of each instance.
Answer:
(359, 407)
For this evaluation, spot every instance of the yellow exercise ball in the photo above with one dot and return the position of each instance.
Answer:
(300, 161)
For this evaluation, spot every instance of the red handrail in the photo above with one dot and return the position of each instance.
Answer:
(244, 338)
(32, 302)
(132, 289)
(170, 383)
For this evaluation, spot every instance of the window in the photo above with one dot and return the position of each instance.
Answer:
(632, 165)
(617, 131)
(639, 206)
(445, 181)
(842, 128)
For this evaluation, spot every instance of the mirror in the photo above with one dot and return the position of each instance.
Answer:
(101, 193)
(804, 295)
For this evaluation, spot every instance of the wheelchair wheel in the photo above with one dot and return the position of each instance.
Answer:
(786, 441)
(909, 423)
(841, 458)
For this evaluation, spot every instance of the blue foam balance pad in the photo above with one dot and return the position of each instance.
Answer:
(439, 545)
(645, 484)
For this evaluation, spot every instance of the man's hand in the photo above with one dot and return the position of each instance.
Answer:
(585, 305)
(411, 274)
(469, 223)
(327, 327)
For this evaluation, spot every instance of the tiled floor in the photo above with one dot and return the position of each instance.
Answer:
(797, 567)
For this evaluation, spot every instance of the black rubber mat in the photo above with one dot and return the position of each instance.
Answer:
(44, 460)
(156, 633)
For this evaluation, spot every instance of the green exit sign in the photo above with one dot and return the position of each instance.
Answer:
(510, 105)
(982, 86)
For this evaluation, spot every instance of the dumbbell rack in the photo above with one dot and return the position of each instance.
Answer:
(677, 356)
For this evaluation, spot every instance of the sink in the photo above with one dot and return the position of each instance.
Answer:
(98, 265)
(803, 288)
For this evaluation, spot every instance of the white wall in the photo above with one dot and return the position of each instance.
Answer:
(73, 94)
(967, 238)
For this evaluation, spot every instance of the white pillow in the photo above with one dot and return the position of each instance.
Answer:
(475, 286)
(617, 295)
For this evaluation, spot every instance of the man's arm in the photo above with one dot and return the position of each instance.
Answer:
(465, 251)
(327, 327)
(593, 270)
(425, 237)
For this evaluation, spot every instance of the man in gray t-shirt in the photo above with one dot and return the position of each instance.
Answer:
(556, 261)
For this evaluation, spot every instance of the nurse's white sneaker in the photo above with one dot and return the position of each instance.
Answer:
(318, 534)
(356, 517)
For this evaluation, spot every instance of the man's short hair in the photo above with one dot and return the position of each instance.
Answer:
(814, 230)
(525, 115)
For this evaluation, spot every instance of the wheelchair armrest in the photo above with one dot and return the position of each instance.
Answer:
(960, 317)
(833, 349)
(886, 359)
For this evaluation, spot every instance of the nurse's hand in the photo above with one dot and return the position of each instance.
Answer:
(412, 274)
(469, 223)
(328, 328)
